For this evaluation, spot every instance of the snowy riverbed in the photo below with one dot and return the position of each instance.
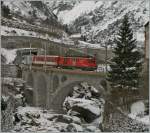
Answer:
(84, 113)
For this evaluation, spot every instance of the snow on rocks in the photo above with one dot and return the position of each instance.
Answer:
(30, 119)
(143, 119)
(64, 119)
(90, 45)
(74, 128)
(137, 107)
(85, 103)
(37, 119)
(81, 111)
(9, 31)
(87, 108)
(138, 112)
(80, 8)
(10, 55)
(91, 128)
(14, 87)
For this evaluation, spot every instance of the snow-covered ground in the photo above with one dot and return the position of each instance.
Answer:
(24, 8)
(90, 45)
(10, 55)
(8, 31)
(86, 118)
(79, 9)
(144, 119)
(111, 19)
(34, 119)
(137, 113)
(140, 36)
(137, 107)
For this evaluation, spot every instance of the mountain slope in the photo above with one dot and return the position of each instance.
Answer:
(35, 12)
(99, 21)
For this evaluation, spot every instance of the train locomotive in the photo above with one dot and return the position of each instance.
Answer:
(83, 63)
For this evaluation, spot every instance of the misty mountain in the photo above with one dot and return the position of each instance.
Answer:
(98, 21)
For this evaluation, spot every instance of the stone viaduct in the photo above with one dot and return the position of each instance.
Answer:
(51, 85)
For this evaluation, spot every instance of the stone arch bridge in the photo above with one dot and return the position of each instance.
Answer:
(52, 85)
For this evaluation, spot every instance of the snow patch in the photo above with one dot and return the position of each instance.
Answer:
(137, 107)
(144, 119)
(80, 8)
(10, 55)
(8, 31)
(87, 104)
(140, 36)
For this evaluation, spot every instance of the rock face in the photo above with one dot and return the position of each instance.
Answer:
(15, 88)
(12, 97)
(36, 119)
(85, 102)
(87, 109)
(34, 12)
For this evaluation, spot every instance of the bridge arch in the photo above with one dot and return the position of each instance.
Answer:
(64, 91)
(41, 96)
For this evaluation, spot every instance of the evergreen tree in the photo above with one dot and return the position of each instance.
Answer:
(5, 11)
(126, 65)
(3, 104)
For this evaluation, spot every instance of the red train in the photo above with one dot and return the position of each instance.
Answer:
(62, 62)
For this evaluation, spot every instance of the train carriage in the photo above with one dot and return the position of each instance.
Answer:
(78, 62)
(83, 63)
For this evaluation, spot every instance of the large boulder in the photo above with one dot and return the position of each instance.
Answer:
(87, 109)
(84, 102)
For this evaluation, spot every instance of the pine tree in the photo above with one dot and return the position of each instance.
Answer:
(126, 65)
(5, 11)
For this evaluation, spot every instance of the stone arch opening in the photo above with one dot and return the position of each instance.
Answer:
(41, 91)
(63, 92)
